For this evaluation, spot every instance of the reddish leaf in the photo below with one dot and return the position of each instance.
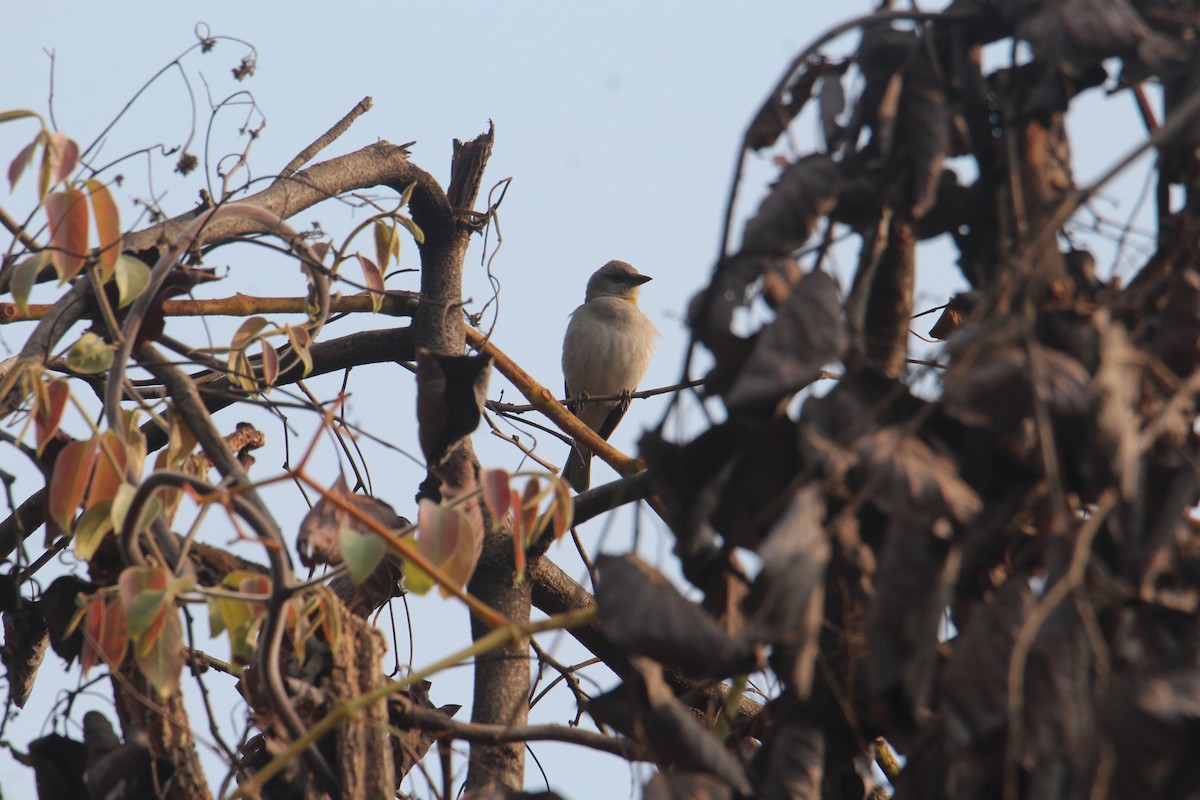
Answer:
(62, 154)
(108, 227)
(72, 469)
(514, 500)
(496, 493)
(21, 162)
(67, 212)
(106, 636)
(373, 277)
(527, 510)
(48, 414)
(446, 538)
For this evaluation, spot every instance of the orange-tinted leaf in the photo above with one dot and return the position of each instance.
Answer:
(563, 510)
(110, 469)
(518, 557)
(68, 215)
(108, 227)
(270, 363)
(72, 469)
(161, 659)
(497, 496)
(48, 414)
(528, 511)
(21, 162)
(106, 636)
(518, 518)
(373, 277)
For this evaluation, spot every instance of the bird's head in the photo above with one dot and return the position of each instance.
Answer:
(615, 279)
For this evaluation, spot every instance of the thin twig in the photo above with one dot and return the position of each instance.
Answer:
(326, 139)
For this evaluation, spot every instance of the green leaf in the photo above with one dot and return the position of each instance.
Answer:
(408, 193)
(301, 340)
(120, 505)
(19, 113)
(387, 243)
(241, 618)
(247, 332)
(416, 580)
(161, 660)
(144, 610)
(93, 526)
(361, 552)
(25, 276)
(142, 591)
(133, 276)
(91, 355)
(413, 228)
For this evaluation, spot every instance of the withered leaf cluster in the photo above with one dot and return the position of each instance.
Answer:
(998, 572)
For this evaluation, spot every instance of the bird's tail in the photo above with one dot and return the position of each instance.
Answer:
(578, 470)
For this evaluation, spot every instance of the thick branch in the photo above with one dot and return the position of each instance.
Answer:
(379, 164)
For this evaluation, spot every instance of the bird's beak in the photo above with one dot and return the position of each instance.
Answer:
(638, 280)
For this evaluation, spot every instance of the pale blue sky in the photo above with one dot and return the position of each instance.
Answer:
(618, 123)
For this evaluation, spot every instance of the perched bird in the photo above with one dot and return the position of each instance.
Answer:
(606, 351)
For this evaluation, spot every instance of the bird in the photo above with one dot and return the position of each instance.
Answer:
(606, 351)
